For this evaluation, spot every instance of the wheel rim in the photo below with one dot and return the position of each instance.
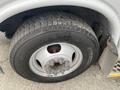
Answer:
(55, 60)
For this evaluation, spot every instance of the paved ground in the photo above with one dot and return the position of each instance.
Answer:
(92, 79)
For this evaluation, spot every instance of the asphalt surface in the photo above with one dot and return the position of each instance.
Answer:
(92, 79)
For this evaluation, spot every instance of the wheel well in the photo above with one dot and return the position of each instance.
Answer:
(96, 20)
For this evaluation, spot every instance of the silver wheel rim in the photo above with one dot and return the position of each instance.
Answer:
(55, 60)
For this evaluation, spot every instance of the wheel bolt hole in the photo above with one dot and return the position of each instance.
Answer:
(38, 63)
(73, 56)
(54, 48)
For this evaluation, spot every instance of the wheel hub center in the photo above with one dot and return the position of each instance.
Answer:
(57, 65)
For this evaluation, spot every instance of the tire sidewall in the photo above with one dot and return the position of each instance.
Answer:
(30, 43)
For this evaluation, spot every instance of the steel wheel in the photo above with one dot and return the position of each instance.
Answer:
(55, 60)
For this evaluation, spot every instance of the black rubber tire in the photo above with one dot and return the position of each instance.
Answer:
(50, 28)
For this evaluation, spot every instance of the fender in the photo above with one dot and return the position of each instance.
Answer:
(17, 6)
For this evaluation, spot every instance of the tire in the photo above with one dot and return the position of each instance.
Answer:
(51, 28)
